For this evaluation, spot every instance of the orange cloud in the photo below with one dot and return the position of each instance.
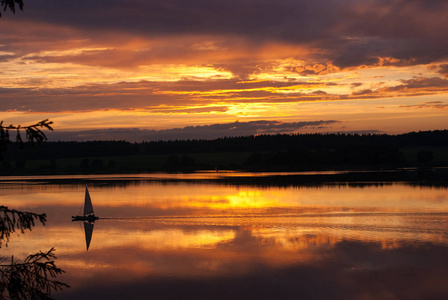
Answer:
(184, 59)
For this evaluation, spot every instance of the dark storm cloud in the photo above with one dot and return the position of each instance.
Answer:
(347, 32)
(190, 132)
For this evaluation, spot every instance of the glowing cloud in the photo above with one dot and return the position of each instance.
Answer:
(177, 61)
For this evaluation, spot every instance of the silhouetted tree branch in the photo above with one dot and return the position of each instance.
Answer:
(12, 220)
(11, 4)
(33, 134)
(32, 279)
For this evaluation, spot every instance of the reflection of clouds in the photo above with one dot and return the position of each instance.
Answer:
(250, 267)
(168, 239)
(178, 253)
(174, 240)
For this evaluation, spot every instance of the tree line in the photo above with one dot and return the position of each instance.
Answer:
(341, 144)
(282, 152)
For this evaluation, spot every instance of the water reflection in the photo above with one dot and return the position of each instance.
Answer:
(88, 231)
(246, 264)
(179, 240)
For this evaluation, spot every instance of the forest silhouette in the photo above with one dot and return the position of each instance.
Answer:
(282, 152)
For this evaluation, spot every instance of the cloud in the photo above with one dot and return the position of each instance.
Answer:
(410, 31)
(114, 60)
(431, 105)
(5, 58)
(196, 96)
(444, 70)
(421, 83)
(159, 97)
(190, 132)
(356, 84)
(206, 109)
(363, 92)
(372, 131)
(315, 69)
(347, 33)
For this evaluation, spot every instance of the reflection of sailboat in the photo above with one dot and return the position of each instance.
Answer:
(88, 230)
(88, 210)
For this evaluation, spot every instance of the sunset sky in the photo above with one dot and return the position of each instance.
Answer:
(155, 69)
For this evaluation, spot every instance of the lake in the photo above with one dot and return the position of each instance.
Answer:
(191, 236)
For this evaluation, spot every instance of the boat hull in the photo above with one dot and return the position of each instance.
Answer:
(85, 218)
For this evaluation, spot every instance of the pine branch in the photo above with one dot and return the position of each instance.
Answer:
(32, 279)
(11, 4)
(12, 220)
(33, 133)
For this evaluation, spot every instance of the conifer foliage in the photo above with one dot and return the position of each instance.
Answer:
(33, 134)
(11, 5)
(32, 279)
(35, 277)
(12, 220)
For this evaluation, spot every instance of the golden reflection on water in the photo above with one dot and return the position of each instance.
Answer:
(336, 197)
(369, 212)
(186, 230)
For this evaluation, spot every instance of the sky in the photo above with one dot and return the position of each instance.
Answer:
(167, 69)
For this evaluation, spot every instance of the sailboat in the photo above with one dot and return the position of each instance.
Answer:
(88, 215)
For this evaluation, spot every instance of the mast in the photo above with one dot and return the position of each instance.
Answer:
(88, 208)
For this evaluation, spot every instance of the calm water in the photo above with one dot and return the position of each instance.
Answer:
(166, 239)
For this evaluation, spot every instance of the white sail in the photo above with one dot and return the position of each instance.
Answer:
(88, 208)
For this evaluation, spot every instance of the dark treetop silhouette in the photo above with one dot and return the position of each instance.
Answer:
(11, 4)
(33, 134)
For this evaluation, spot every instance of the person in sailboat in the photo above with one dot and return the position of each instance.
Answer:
(88, 215)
